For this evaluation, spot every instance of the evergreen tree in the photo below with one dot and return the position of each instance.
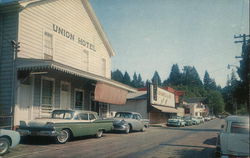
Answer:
(140, 82)
(191, 76)
(209, 83)
(156, 79)
(117, 76)
(175, 77)
(126, 79)
(135, 81)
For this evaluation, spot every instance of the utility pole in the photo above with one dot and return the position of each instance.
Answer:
(245, 55)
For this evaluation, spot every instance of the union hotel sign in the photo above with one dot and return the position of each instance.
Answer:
(73, 37)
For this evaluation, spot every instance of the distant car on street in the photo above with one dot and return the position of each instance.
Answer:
(188, 120)
(8, 139)
(202, 120)
(233, 140)
(176, 121)
(207, 118)
(196, 121)
(129, 121)
(65, 124)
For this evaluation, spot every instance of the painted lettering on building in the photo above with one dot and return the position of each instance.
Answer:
(72, 37)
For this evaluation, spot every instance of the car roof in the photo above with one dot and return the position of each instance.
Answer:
(238, 119)
(77, 111)
(128, 112)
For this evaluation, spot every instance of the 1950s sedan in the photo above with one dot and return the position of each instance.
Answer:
(233, 140)
(129, 121)
(65, 124)
(8, 139)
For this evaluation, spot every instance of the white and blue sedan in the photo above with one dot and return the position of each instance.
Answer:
(8, 139)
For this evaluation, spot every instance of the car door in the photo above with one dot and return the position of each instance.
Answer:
(94, 126)
(85, 124)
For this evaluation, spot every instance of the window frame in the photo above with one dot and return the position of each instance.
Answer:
(51, 55)
(79, 90)
(53, 90)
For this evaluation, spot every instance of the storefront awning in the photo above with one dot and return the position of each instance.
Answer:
(110, 94)
(40, 64)
(165, 109)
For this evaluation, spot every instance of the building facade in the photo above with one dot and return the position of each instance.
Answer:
(54, 55)
(154, 103)
(195, 107)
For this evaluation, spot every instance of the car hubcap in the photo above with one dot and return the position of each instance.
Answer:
(3, 146)
(99, 134)
(63, 137)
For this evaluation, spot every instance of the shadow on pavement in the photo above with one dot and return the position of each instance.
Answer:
(193, 151)
(193, 129)
(211, 141)
(49, 140)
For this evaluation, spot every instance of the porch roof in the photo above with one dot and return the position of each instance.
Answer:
(40, 64)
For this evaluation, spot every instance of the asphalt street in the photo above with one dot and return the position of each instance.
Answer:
(156, 142)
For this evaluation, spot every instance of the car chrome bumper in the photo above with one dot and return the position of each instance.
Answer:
(173, 124)
(25, 132)
(120, 127)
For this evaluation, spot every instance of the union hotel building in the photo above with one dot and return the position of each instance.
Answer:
(54, 55)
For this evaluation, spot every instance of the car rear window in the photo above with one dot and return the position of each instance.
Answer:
(240, 127)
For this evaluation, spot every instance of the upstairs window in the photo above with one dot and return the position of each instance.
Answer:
(85, 60)
(48, 46)
(103, 67)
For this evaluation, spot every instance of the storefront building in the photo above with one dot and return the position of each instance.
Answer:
(153, 103)
(54, 55)
(195, 107)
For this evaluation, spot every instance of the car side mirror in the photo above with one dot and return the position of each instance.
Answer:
(222, 126)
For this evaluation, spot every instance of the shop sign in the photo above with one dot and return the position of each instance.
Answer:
(159, 96)
(73, 37)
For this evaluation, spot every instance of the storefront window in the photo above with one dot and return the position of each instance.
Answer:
(78, 99)
(47, 92)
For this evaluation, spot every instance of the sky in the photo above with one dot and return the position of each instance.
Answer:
(152, 35)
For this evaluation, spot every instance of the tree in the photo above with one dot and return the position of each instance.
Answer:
(191, 76)
(215, 102)
(140, 82)
(175, 77)
(156, 79)
(209, 83)
(135, 81)
(117, 76)
(126, 79)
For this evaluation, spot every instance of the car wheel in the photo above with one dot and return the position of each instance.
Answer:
(127, 129)
(4, 146)
(63, 137)
(143, 129)
(99, 133)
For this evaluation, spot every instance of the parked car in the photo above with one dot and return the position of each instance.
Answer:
(207, 118)
(65, 124)
(129, 121)
(8, 139)
(188, 120)
(196, 121)
(233, 140)
(202, 120)
(176, 121)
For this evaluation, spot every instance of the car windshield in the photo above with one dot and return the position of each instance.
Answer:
(123, 115)
(187, 118)
(175, 117)
(240, 127)
(61, 114)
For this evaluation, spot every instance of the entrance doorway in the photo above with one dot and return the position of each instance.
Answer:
(65, 95)
(23, 109)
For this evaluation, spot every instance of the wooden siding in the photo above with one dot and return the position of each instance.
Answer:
(70, 15)
(8, 32)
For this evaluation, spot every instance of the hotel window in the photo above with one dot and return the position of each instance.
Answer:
(103, 67)
(48, 46)
(47, 92)
(85, 60)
